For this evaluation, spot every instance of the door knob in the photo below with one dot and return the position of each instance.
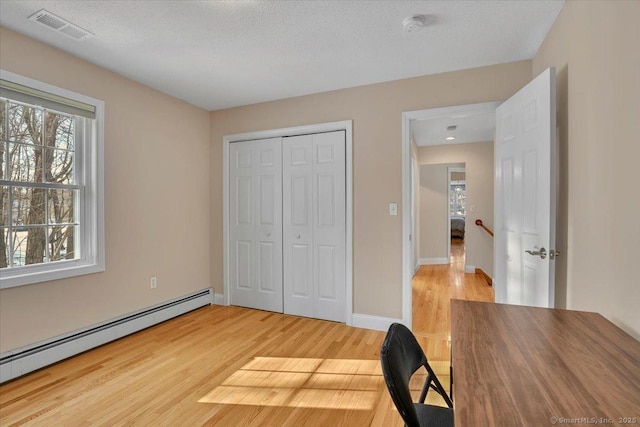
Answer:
(542, 253)
(298, 236)
(268, 234)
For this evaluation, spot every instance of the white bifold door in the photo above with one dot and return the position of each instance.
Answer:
(314, 225)
(287, 219)
(255, 224)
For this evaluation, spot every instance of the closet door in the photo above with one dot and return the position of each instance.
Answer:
(314, 225)
(297, 212)
(255, 224)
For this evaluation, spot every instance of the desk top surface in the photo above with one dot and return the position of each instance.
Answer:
(517, 366)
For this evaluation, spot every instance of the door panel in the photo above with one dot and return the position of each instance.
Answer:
(326, 200)
(314, 218)
(243, 200)
(507, 192)
(327, 273)
(255, 219)
(267, 196)
(300, 278)
(267, 263)
(329, 225)
(325, 152)
(267, 156)
(300, 198)
(297, 172)
(530, 193)
(243, 271)
(525, 194)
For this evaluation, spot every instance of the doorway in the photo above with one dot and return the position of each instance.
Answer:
(525, 193)
(457, 214)
(440, 124)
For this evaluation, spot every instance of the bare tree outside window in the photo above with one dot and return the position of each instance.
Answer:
(38, 223)
(458, 200)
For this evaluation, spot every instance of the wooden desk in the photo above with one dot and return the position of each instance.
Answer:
(521, 366)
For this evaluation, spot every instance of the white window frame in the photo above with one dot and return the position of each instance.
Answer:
(453, 184)
(89, 170)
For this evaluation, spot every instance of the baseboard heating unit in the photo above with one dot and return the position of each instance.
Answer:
(27, 359)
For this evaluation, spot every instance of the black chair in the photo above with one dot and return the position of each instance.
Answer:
(401, 356)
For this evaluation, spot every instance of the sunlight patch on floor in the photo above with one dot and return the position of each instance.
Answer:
(302, 383)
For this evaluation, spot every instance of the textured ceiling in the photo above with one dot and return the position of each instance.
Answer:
(218, 54)
(471, 127)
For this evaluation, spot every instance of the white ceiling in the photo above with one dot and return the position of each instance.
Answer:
(219, 54)
(471, 127)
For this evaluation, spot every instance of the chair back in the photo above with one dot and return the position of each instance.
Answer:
(401, 356)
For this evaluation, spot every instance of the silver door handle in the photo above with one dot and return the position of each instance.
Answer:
(542, 253)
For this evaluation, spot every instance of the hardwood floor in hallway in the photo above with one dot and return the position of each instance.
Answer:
(433, 288)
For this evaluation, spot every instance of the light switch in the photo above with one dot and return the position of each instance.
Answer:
(393, 209)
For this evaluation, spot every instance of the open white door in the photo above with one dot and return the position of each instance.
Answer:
(525, 195)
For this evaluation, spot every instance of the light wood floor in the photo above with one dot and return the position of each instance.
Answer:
(433, 287)
(229, 366)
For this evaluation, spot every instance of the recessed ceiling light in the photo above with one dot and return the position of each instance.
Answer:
(451, 138)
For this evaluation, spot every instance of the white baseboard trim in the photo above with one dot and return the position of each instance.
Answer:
(434, 261)
(23, 360)
(376, 323)
(470, 269)
(218, 299)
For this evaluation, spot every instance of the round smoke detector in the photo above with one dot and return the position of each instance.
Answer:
(413, 23)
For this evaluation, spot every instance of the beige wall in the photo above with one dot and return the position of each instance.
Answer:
(376, 111)
(594, 47)
(478, 160)
(434, 204)
(156, 201)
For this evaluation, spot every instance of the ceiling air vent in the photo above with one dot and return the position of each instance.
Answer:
(60, 25)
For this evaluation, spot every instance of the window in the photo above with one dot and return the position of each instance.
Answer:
(51, 223)
(457, 199)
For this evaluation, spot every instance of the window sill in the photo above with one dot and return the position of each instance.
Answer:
(47, 272)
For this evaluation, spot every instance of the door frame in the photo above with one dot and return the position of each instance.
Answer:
(345, 125)
(449, 170)
(407, 118)
(415, 229)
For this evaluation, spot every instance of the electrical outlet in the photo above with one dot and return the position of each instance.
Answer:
(153, 282)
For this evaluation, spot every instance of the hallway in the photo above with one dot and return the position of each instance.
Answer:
(433, 288)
